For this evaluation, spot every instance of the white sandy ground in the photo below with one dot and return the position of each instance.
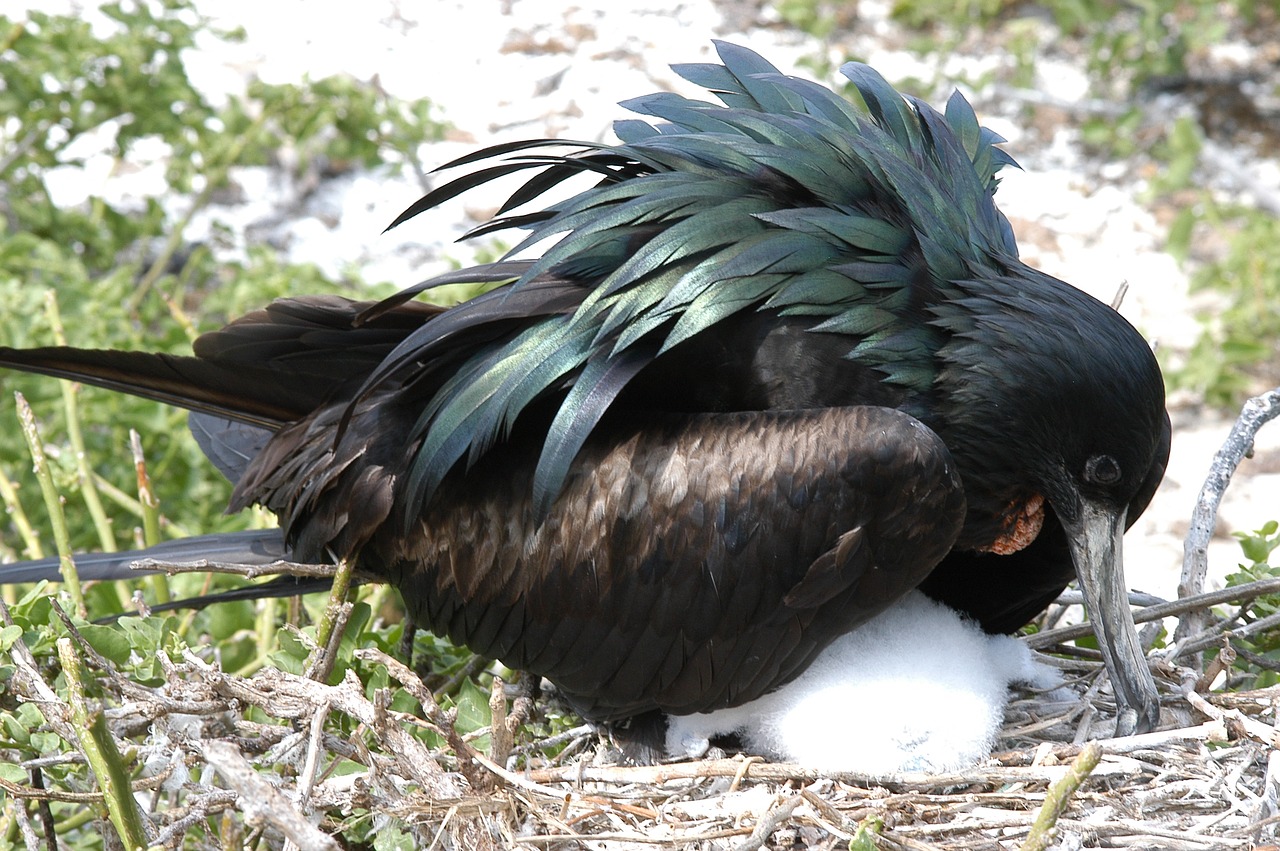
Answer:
(507, 69)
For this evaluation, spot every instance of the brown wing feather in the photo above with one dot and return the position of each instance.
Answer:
(692, 562)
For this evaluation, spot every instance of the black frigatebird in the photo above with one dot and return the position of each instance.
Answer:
(780, 365)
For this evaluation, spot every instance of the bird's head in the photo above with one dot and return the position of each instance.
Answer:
(1055, 397)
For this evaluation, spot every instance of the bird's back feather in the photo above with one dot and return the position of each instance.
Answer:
(785, 198)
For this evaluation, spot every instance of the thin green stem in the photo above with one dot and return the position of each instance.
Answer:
(99, 749)
(130, 503)
(1044, 828)
(150, 514)
(337, 596)
(18, 516)
(106, 537)
(53, 503)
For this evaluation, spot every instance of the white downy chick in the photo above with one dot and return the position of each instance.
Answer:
(918, 688)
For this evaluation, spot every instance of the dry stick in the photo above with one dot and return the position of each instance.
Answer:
(595, 803)
(1269, 801)
(307, 780)
(17, 790)
(523, 781)
(1212, 731)
(289, 696)
(1214, 635)
(200, 807)
(501, 737)
(28, 682)
(655, 775)
(823, 809)
(1234, 594)
(1073, 597)
(437, 717)
(1127, 833)
(28, 832)
(1234, 718)
(772, 820)
(1222, 662)
(558, 739)
(1204, 518)
(123, 685)
(293, 697)
(1257, 660)
(248, 571)
(261, 802)
(1044, 828)
(689, 840)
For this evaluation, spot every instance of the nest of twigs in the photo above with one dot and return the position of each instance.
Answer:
(1208, 781)
(258, 757)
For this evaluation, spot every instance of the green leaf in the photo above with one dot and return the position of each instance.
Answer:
(865, 837)
(8, 636)
(14, 773)
(472, 704)
(111, 642)
(18, 729)
(391, 837)
(292, 653)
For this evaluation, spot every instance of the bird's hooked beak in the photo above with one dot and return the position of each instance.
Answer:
(1096, 550)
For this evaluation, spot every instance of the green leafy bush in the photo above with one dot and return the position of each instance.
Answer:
(122, 274)
(1238, 353)
(1264, 668)
(115, 274)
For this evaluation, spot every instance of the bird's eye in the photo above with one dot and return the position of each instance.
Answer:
(1102, 470)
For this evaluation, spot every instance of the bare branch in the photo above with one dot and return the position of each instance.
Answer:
(1204, 518)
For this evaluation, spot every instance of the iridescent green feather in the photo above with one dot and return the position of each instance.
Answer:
(786, 197)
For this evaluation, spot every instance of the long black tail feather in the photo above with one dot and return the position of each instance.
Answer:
(281, 586)
(253, 546)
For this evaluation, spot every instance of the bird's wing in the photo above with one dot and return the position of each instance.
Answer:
(690, 562)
